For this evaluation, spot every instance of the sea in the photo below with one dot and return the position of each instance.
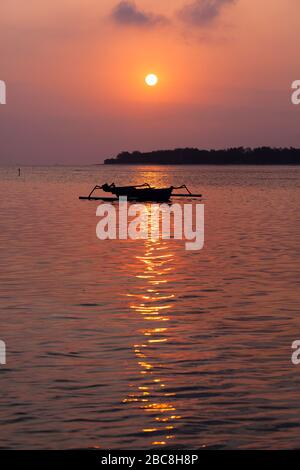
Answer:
(142, 344)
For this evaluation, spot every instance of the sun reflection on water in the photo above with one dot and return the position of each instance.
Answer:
(154, 305)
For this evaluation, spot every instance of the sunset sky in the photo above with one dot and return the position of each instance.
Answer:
(75, 71)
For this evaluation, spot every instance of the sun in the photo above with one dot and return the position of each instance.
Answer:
(151, 79)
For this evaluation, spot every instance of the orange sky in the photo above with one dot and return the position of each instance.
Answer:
(75, 69)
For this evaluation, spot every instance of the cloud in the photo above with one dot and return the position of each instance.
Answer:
(127, 13)
(203, 12)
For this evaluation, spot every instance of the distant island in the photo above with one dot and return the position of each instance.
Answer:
(194, 156)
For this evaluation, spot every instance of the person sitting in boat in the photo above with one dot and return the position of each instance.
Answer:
(108, 187)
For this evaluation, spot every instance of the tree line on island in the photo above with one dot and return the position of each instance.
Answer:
(194, 156)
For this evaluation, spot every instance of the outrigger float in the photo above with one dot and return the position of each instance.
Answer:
(143, 192)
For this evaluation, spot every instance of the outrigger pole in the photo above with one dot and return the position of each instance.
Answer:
(185, 195)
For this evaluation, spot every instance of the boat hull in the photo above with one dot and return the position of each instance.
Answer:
(145, 194)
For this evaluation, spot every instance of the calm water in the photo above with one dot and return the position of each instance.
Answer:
(122, 344)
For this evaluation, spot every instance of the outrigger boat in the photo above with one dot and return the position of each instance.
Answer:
(143, 192)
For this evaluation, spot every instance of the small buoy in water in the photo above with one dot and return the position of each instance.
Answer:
(19, 171)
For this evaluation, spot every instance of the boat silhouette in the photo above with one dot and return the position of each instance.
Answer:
(143, 192)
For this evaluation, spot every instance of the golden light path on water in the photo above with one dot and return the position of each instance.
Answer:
(154, 306)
